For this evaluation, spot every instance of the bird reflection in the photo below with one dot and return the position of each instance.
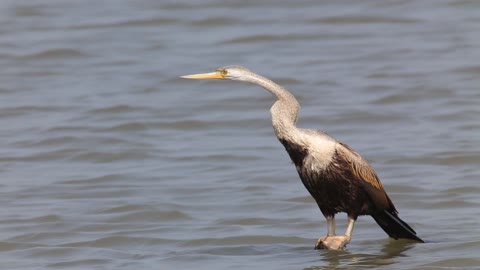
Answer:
(350, 260)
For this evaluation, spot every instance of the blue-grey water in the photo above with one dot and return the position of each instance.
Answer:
(108, 160)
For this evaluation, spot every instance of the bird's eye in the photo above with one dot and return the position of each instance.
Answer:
(223, 72)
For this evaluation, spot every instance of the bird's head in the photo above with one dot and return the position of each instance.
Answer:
(237, 73)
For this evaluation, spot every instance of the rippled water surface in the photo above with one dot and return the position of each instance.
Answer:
(108, 160)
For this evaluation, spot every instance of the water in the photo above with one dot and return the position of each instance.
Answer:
(110, 161)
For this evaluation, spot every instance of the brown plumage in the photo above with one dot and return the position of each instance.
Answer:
(336, 176)
(349, 184)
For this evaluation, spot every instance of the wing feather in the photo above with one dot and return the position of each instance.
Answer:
(360, 166)
(362, 171)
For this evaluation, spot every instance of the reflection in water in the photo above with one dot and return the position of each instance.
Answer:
(347, 260)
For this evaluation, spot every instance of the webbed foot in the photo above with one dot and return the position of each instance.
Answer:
(337, 242)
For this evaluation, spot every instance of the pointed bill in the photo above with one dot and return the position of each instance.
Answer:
(211, 75)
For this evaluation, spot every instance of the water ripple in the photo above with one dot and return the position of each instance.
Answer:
(352, 19)
(60, 53)
(153, 22)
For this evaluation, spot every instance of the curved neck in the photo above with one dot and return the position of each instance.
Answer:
(284, 111)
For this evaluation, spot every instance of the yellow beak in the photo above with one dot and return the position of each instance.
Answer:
(202, 76)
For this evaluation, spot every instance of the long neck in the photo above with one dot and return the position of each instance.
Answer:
(284, 111)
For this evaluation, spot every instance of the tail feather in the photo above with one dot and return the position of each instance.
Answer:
(395, 227)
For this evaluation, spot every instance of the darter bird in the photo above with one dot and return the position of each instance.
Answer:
(336, 176)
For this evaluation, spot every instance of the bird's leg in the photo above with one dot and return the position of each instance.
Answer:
(331, 226)
(335, 242)
(348, 232)
(330, 233)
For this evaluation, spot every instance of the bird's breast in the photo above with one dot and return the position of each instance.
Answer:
(297, 152)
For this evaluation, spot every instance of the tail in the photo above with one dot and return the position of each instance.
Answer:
(395, 227)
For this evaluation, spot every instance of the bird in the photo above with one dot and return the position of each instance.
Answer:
(335, 175)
